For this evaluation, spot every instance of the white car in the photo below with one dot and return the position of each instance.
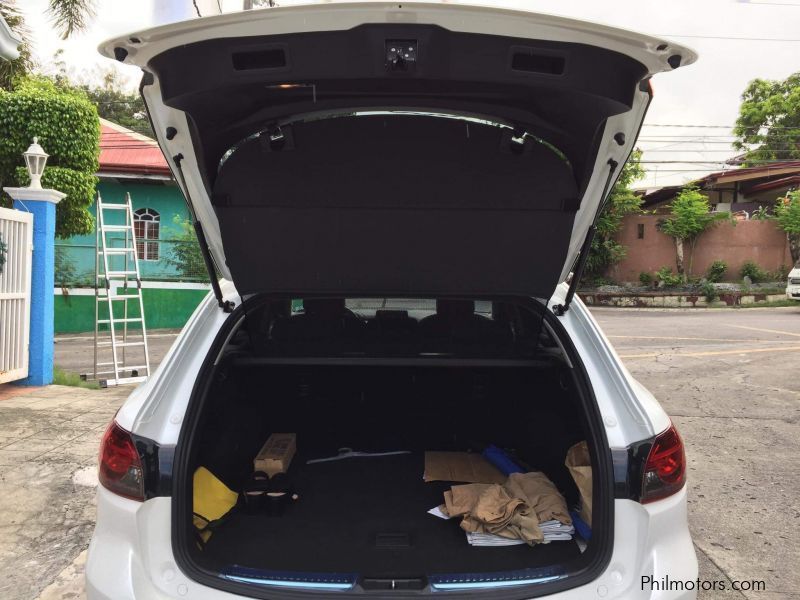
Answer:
(793, 284)
(392, 194)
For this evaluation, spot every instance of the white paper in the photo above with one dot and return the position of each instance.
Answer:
(437, 512)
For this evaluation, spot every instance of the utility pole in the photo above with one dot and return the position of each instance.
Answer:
(248, 5)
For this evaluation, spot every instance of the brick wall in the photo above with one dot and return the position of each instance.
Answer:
(759, 241)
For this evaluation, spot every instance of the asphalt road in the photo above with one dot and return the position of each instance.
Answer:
(75, 352)
(730, 379)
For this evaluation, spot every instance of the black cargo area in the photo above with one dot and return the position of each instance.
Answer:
(349, 510)
(367, 516)
(452, 376)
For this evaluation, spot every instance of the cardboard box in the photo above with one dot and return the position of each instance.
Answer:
(460, 466)
(276, 454)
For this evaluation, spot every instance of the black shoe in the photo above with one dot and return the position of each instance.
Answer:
(279, 494)
(255, 492)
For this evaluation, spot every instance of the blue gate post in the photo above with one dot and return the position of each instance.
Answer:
(42, 204)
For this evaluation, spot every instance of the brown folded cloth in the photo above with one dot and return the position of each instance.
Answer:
(487, 508)
(513, 510)
(540, 494)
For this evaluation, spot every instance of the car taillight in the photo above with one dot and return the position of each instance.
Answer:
(120, 467)
(665, 469)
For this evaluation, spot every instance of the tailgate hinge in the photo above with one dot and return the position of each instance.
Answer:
(580, 263)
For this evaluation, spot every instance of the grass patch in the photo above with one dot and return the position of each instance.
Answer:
(62, 377)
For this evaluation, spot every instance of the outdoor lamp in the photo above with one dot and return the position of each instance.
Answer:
(35, 160)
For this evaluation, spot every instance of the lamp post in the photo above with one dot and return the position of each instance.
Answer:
(41, 203)
(35, 160)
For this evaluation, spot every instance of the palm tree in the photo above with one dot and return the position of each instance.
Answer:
(71, 16)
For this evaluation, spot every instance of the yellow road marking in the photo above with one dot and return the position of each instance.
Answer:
(713, 353)
(765, 330)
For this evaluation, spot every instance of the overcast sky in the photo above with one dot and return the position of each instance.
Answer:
(737, 42)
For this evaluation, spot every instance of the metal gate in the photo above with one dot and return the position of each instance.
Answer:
(16, 234)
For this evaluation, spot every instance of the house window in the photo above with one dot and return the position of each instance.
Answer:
(145, 226)
(640, 231)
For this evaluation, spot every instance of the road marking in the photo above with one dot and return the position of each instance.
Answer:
(697, 339)
(713, 353)
(765, 330)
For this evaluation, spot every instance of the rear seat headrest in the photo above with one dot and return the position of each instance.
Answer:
(454, 309)
(332, 308)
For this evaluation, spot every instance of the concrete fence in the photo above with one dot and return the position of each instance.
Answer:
(761, 242)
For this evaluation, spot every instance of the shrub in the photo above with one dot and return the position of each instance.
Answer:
(787, 213)
(646, 279)
(761, 214)
(781, 274)
(185, 254)
(716, 271)
(709, 291)
(72, 214)
(668, 278)
(753, 271)
(66, 123)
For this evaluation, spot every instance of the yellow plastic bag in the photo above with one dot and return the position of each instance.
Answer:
(212, 500)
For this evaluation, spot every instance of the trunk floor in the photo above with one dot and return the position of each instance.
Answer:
(345, 504)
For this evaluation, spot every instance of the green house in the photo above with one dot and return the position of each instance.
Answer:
(132, 164)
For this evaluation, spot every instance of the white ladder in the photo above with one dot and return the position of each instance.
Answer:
(116, 267)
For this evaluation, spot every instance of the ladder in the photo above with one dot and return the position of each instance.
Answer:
(116, 269)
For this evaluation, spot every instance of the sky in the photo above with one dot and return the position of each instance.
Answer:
(694, 107)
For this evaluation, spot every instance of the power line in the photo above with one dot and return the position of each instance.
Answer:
(725, 37)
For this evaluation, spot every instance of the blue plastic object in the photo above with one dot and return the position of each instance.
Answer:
(581, 527)
(500, 459)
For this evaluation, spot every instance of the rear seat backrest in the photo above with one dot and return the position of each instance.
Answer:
(455, 320)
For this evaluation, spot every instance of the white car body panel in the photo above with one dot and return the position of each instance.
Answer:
(130, 557)
(132, 545)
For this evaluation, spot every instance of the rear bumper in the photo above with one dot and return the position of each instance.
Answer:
(130, 557)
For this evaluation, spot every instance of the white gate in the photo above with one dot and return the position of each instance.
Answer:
(16, 234)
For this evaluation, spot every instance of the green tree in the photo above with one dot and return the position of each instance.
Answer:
(66, 123)
(768, 126)
(689, 218)
(605, 250)
(117, 104)
(185, 254)
(69, 16)
(787, 213)
(113, 99)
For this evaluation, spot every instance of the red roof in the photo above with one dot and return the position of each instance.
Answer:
(123, 151)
